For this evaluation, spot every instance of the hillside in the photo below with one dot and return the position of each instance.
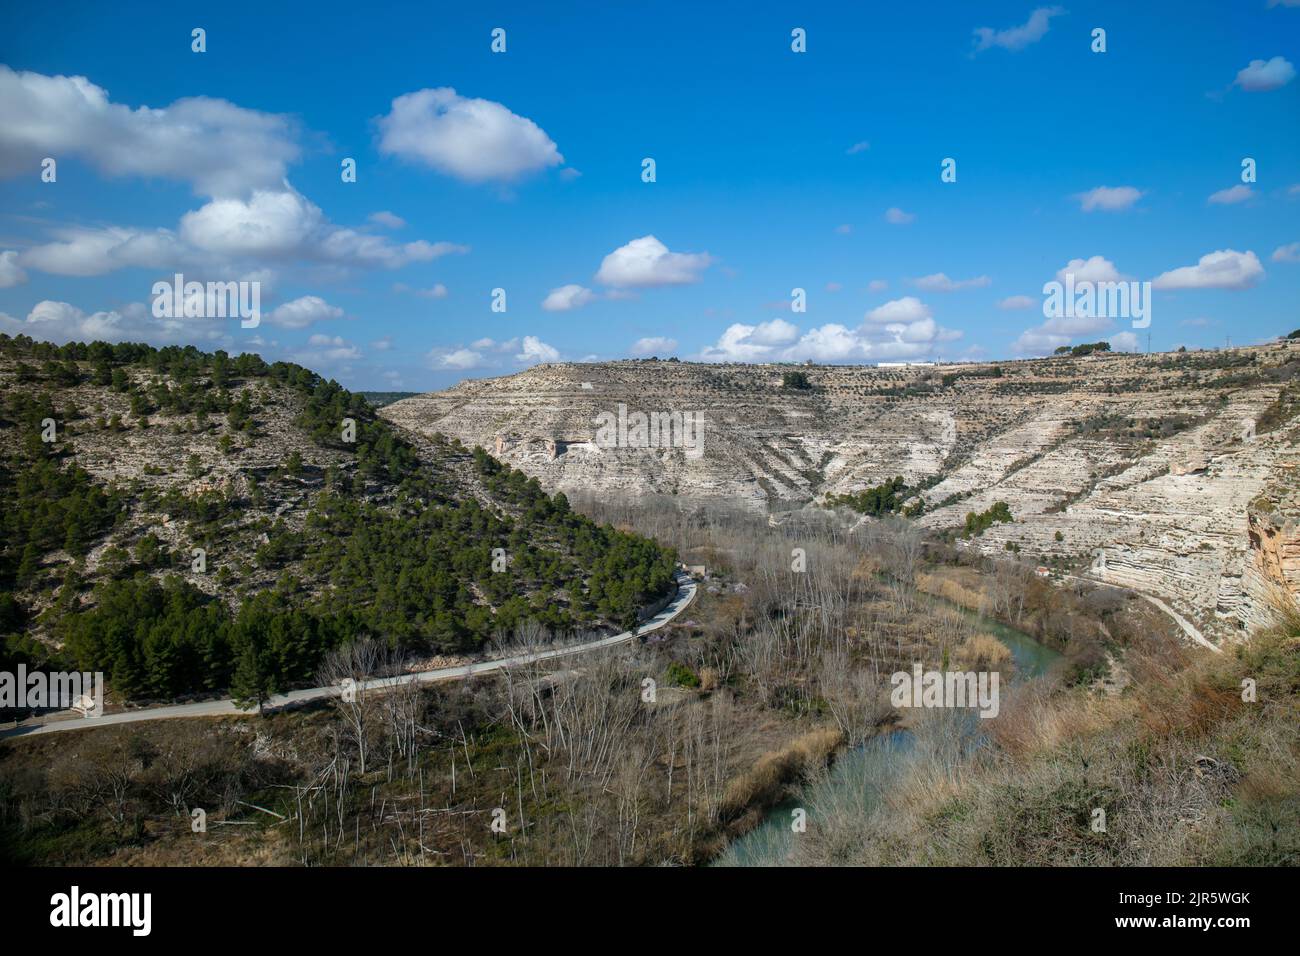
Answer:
(1144, 468)
(190, 522)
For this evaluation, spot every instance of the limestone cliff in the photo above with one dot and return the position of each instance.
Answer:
(1140, 468)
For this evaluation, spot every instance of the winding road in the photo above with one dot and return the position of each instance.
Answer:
(686, 588)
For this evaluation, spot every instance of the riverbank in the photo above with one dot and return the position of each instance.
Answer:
(863, 774)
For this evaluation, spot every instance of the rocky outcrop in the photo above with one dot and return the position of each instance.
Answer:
(1272, 569)
(1139, 467)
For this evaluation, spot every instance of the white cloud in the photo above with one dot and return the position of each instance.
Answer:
(1123, 342)
(907, 309)
(67, 116)
(938, 282)
(1233, 194)
(11, 273)
(1224, 269)
(899, 218)
(82, 251)
(325, 350)
(647, 262)
(1017, 38)
(860, 147)
(287, 224)
(877, 285)
(253, 213)
(535, 351)
(382, 344)
(1092, 269)
(270, 224)
(61, 322)
(472, 139)
(387, 219)
(655, 345)
(751, 343)
(1288, 253)
(454, 359)
(567, 297)
(302, 312)
(1017, 302)
(780, 341)
(1263, 75)
(1063, 330)
(1108, 198)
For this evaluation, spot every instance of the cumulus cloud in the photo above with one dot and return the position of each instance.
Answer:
(387, 219)
(751, 343)
(1224, 269)
(1017, 302)
(11, 273)
(938, 282)
(897, 217)
(270, 224)
(1287, 253)
(1055, 332)
(302, 312)
(287, 224)
(655, 345)
(567, 298)
(1231, 195)
(1092, 269)
(534, 351)
(459, 359)
(62, 116)
(1017, 38)
(327, 350)
(489, 353)
(1263, 75)
(89, 251)
(61, 322)
(780, 341)
(646, 262)
(475, 140)
(907, 309)
(1123, 342)
(1108, 198)
(253, 213)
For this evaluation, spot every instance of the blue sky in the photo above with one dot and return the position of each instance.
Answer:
(522, 171)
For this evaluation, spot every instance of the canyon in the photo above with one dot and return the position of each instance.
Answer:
(1173, 474)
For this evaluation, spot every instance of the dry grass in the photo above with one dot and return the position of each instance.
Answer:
(764, 782)
(983, 652)
(1184, 771)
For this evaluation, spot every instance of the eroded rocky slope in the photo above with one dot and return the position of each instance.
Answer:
(1156, 472)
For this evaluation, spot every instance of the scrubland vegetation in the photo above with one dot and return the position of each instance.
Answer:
(756, 690)
(651, 753)
(391, 546)
(1183, 772)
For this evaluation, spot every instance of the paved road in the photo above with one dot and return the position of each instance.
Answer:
(222, 708)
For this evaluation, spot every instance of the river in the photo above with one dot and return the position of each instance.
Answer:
(866, 772)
